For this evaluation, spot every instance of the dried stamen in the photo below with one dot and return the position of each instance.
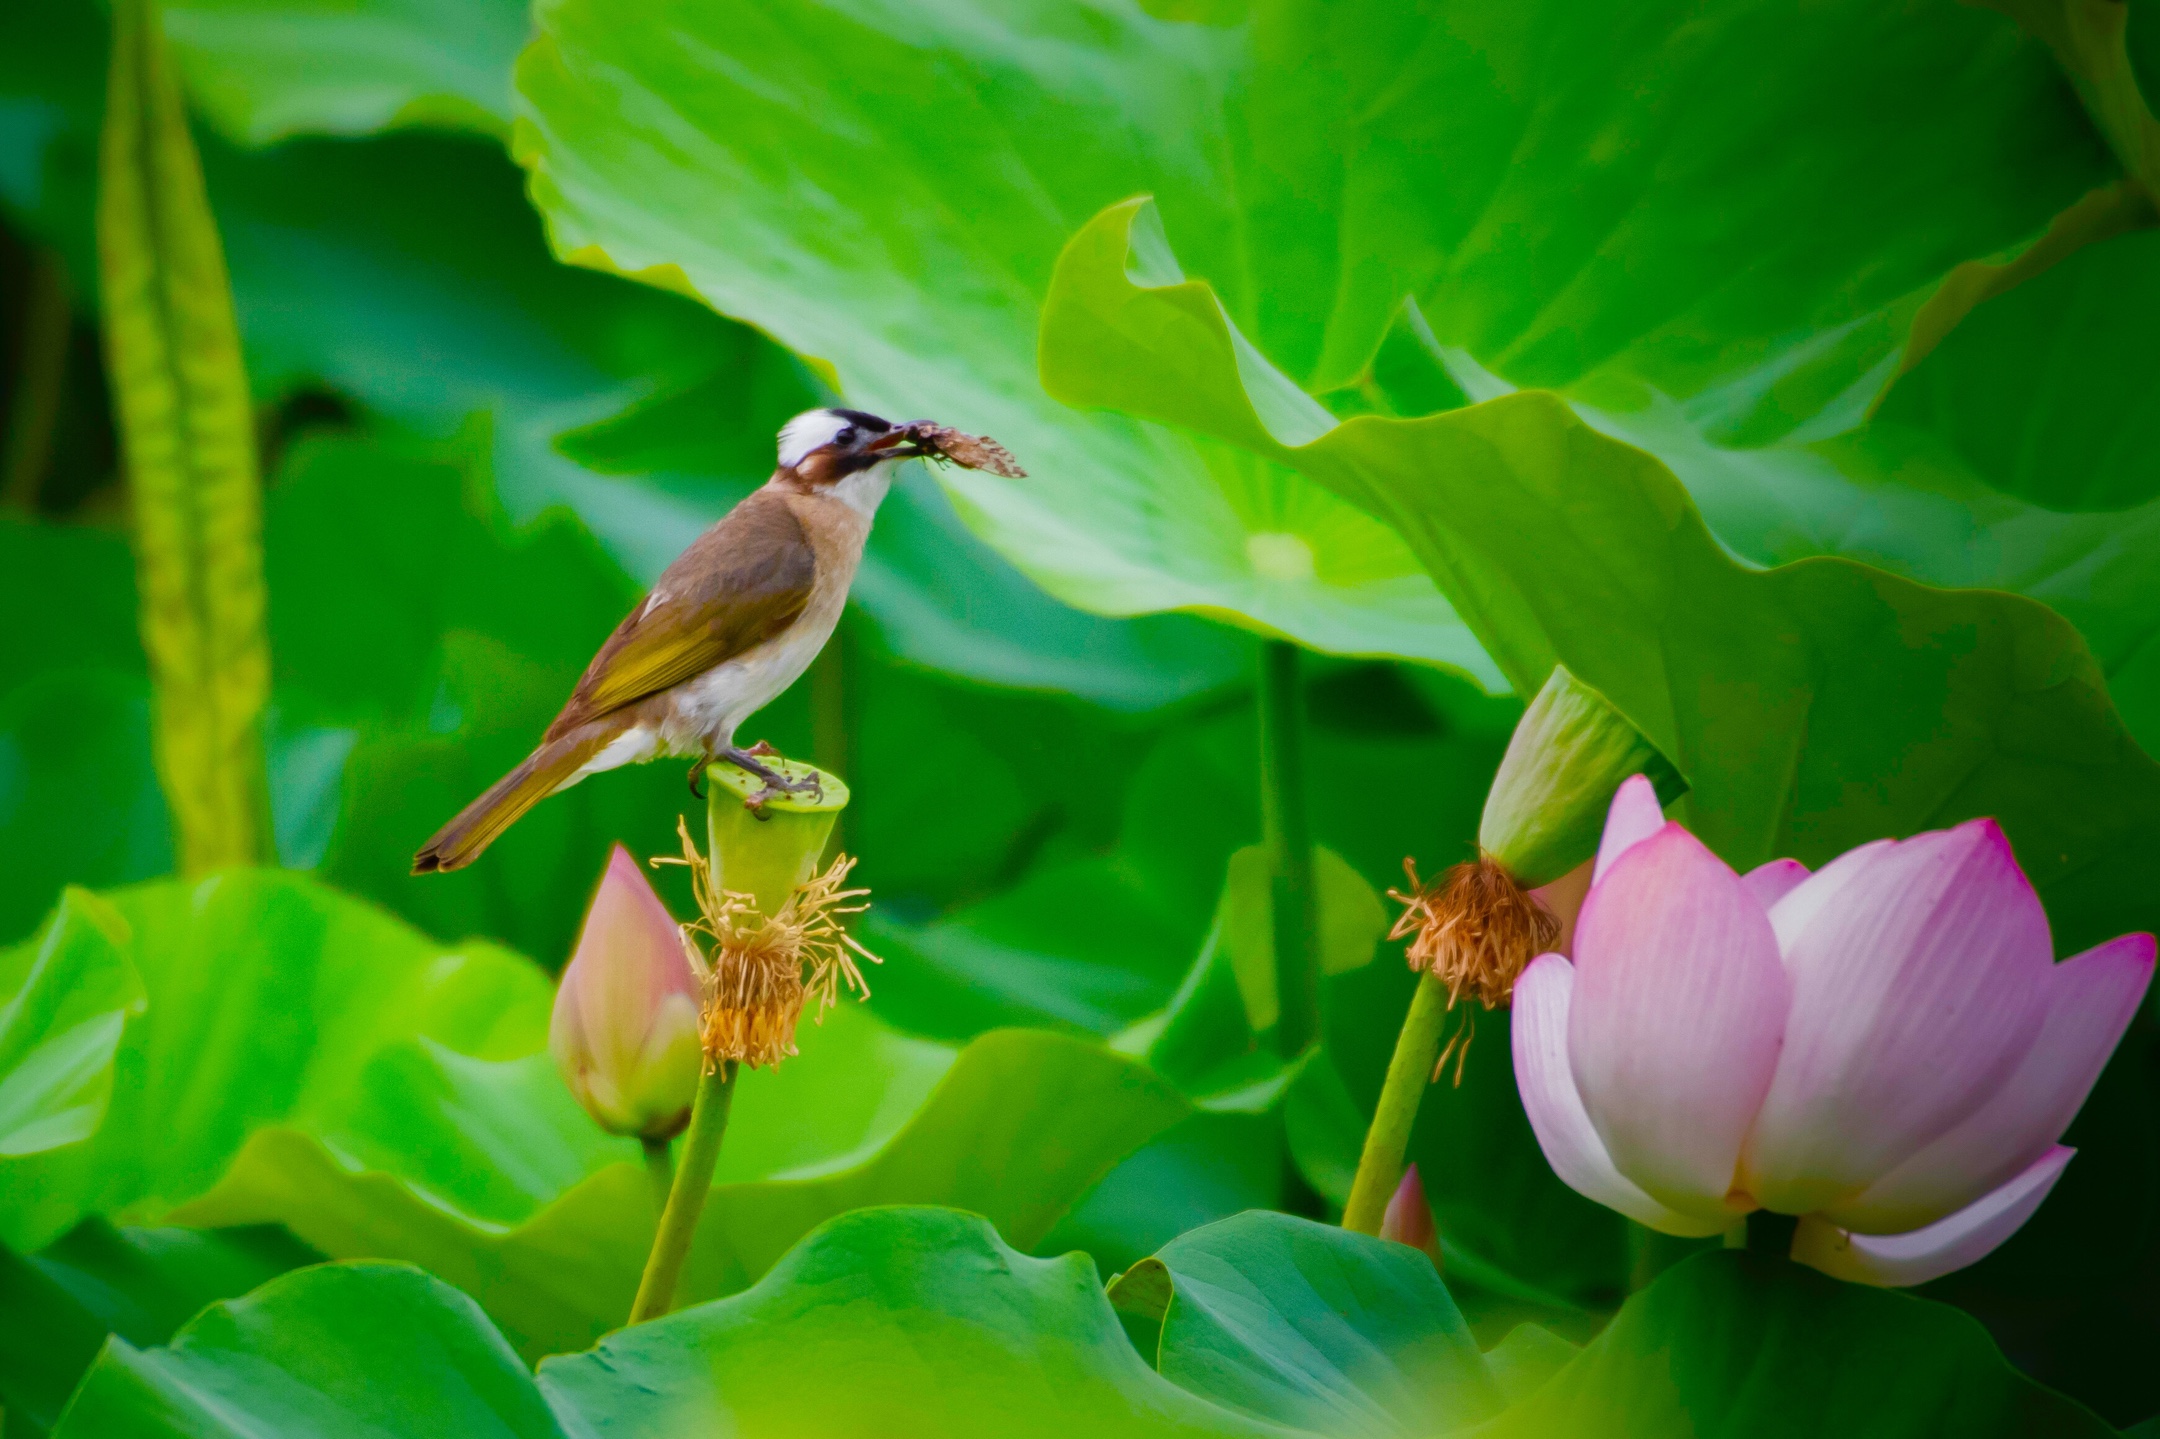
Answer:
(759, 971)
(1473, 929)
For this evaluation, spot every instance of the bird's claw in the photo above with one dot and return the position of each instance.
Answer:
(776, 783)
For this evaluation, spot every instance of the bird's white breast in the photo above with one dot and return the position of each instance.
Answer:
(863, 491)
(705, 711)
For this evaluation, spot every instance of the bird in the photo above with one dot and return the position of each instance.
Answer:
(731, 623)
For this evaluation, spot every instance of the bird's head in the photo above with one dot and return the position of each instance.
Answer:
(822, 449)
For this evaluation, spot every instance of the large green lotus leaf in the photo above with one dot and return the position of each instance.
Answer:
(1020, 1126)
(341, 1351)
(269, 996)
(1811, 707)
(1537, 186)
(64, 997)
(264, 70)
(911, 1321)
(2039, 389)
(57, 1306)
(891, 1321)
(1313, 1327)
(1206, 1167)
(1899, 498)
(1117, 518)
(1736, 1344)
(487, 1173)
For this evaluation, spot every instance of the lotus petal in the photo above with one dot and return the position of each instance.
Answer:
(1634, 816)
(1771, 882)
(1919, 980)
(2092, 999)
(1966, 1237)
(1539, 1029)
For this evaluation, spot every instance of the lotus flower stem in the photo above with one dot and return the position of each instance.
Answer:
(660, 1169)
(1287, 834)
(1380, 1166)
(686, 1196)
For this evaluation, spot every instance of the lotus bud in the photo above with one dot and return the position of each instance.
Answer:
(625, 1028)
(1409, 1219)
(1885, 1049)
(770, 921)
(1476, 926)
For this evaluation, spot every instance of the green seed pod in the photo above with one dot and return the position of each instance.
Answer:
(1566, 760)
(769, 851)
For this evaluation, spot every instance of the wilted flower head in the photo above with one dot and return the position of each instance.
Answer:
(625, 1028)
(1885, 1048)
(760, 970)
(1476, 926)
(1473, 929)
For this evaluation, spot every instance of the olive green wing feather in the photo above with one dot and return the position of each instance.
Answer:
(741, 583)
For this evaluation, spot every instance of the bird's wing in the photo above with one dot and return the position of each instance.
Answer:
(739, 584)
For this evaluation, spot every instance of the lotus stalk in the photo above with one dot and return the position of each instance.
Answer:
(1884, 1050)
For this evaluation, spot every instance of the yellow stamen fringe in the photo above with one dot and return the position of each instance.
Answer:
(759, 971)
(1473, 929)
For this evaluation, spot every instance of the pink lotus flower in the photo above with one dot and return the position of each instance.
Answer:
(625, 1028)
(1885, 1048)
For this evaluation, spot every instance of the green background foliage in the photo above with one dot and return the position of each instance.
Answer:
(1722, 352)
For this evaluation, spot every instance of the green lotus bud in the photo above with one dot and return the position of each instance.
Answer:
(1565, 762)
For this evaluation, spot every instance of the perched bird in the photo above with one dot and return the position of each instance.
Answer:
(730, 624)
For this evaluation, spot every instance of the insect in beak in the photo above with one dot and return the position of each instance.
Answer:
(909, 435)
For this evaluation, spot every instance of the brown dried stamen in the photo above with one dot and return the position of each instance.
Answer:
(1473, 929)
(759, 971)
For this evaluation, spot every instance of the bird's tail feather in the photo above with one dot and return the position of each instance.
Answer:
(460, 842)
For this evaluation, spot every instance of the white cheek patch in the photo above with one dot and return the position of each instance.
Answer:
(807, 431)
